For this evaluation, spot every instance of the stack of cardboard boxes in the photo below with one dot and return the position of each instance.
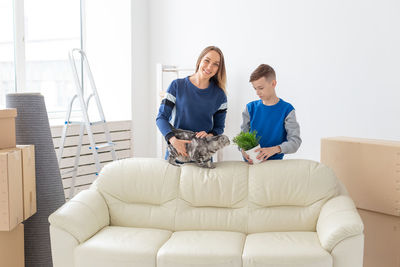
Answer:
(370, 170)
(17, 190)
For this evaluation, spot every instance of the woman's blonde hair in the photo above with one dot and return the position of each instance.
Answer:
(220, 77)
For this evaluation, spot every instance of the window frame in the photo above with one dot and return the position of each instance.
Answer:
(19, 49)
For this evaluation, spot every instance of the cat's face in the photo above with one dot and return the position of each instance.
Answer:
(223, 141)
(217, 142)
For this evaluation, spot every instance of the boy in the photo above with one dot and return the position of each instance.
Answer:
(272, 118)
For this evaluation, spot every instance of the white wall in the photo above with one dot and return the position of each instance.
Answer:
(337, 61)
(141, 93)
(109, 55)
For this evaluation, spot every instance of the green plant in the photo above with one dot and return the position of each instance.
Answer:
(247, 140)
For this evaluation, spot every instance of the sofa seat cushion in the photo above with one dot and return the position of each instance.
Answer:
(121, 246)
(202, 248)
(295, 249)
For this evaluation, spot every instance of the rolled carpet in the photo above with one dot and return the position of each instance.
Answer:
(32, 127)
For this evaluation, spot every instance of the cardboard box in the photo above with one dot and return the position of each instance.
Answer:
(11, 201)
(370, 170)
(12, 247)
(382, 239)
(7, 126)
(28, 179)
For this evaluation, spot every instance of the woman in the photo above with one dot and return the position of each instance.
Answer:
(198, 102)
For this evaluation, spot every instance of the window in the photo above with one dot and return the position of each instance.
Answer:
(7, 66)
(51, 29)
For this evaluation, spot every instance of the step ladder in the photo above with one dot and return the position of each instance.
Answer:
(85, 123)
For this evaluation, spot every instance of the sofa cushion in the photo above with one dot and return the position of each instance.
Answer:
(213, 199)
(287, 195)
(225, 186)
(121, 246)
(140, 192)
(140, 180)
(294, 249)
(202, 248)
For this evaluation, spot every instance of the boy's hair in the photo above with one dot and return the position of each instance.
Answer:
(263, 70)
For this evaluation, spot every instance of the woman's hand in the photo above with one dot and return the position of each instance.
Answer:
(203, 134)
(246, 156)
(267, 152)
(179, 145)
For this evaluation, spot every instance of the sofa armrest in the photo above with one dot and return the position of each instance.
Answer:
(337, 221)
(82, 216)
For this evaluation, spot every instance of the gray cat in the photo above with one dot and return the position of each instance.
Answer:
(199, 150)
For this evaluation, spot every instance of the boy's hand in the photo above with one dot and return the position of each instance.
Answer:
(244, 154)
(203, 134)
(179, 145)
(267, 152)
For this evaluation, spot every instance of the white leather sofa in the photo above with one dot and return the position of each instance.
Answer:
(146, 212)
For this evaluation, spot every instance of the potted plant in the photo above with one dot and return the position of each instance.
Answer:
(249, 142)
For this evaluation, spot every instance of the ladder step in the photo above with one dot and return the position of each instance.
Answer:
(97, 122)
(82, 122)
(103, 146)
(74, 122)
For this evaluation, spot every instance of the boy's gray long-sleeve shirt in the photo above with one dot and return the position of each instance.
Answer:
(292, 129)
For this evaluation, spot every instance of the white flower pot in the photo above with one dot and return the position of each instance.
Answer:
(253, 155)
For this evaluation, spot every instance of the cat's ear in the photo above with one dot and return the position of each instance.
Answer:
(213, 137)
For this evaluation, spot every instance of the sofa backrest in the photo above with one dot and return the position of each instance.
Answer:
(287, 195)
(281, 195)
(213, 199)
(140, 192)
